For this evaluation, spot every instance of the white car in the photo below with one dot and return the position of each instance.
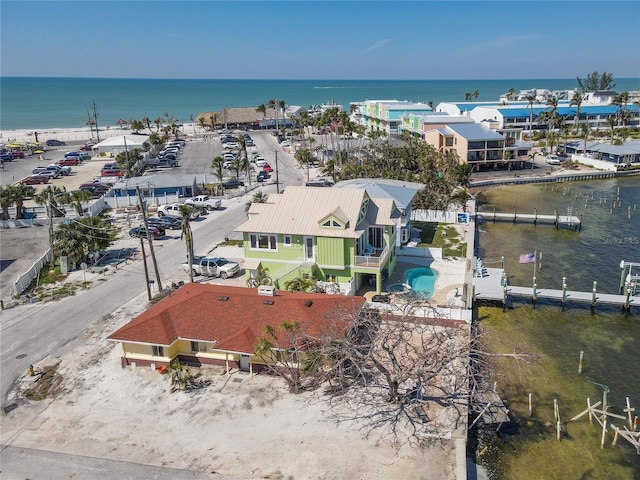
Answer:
(231, 145)
(173, 210)
(203, 201)
(553, 160)
(260, 161)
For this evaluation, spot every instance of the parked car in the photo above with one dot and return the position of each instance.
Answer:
(233, 183)
(267, 168)
(6, 157)
(17, 154)
(553, 160)
(203, 201)
(59, 168)
(68, 162)
(229, 156)
(55, 143)
(111, 170)
(231, 145)
(97, 189)
(142, 232)
(87, 147)
(73, 154)
(173, 210)
(51, 174)
(262, 176)
(36, 180)
(85, 156)
(319, 183)
(250, 143)
(170, 223)
(260, 161)
(213, 267)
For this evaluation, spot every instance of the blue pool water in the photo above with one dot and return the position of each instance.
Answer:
(422, 280)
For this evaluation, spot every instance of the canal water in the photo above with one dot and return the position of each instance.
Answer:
(610, 340)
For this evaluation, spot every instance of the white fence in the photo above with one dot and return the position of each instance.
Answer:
(439, 216)
(132, 200)
(432, 253)
(26, 278)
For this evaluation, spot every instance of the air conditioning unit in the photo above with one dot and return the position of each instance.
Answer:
(267, 290)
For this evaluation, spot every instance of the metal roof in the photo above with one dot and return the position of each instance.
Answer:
(475, 131)
(400, 192)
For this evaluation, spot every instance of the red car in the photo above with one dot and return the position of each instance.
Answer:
(267, 168)
(70, 162)
(35, 180)
(17, 154)
(87, 147)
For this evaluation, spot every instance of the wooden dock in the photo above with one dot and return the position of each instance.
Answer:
(490, 287)
(558, 220)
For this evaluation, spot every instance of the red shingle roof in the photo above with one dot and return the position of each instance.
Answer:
(198, 312)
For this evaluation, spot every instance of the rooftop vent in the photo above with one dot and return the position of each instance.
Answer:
(223, 299)
(268, 302)
(267, 290)
(308, 303)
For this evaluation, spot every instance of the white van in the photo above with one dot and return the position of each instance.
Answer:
(260, 161)
(553, 160)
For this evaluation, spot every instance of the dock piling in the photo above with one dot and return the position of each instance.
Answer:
(564, 292)
(593, 297)
(580, 362)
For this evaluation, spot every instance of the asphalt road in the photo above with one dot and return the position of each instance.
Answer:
(29, 333)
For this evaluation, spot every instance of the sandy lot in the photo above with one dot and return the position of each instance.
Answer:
(241, 426)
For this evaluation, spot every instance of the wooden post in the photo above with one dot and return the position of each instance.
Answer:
(515, 215)
(580, 362)
(540, 262)
(494, 214)
(504, 298)
(593, 297)
(555, 409)
(604, 432)
(535, 216)
(589, 408)
(615, 438)
(530, 407)
(564, 291)
(534, 297)
(629, 410)
(635, 423)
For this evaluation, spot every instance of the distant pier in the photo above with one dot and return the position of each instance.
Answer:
(556, 219)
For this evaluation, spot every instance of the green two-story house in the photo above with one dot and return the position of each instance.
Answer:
(340, 237)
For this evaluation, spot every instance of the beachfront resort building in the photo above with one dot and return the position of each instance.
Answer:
(341, 237)
(479, 145)
(385, 116)
(220, 325)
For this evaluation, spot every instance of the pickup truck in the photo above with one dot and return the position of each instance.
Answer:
(62, 169)
(212, 267)
(203, 201)
(173, 210)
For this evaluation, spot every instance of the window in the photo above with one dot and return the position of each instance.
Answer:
(287, 240)
(158, 351)
(198, 347)
(263, 242)
(331, 223)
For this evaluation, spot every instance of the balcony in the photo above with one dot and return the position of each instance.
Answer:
(374, 261)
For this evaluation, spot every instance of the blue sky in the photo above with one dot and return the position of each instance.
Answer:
(422, 40)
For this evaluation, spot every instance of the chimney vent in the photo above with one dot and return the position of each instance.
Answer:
(308, 303)
(223, 299)
(268, 302)
(267, 290)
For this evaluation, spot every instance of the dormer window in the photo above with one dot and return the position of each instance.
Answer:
(331, 223)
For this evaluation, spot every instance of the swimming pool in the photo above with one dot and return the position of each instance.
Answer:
(422, 280)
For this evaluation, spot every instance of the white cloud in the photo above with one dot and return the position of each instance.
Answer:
(377, 45)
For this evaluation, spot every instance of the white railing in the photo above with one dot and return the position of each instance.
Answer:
(26, 278)
(372, 261)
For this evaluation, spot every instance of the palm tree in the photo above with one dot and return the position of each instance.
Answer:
(273, 104)
(530, 99)
(476, 94)
(577, 100)
(217, 164)
(611, 121)
(185, 233)
(243, 156)
(49, 197)
(18, 193)
(82, 236)
(467, 96)
(258, 197)
(262, 108)
(6, 200)
(76, 198)
(584, 128)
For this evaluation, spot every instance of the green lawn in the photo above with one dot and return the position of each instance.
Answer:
(441, 235)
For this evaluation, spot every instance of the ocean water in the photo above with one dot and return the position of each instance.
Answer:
(608, 338)
(39, 103)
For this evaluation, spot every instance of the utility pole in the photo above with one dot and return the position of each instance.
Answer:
(150, 238)
(277, 177)
(50, 212)
(146, 271)
(95, 119)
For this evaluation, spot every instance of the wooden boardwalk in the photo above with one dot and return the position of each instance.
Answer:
(489, 287)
